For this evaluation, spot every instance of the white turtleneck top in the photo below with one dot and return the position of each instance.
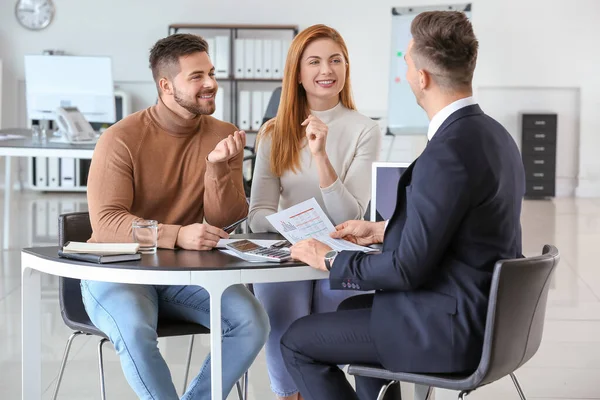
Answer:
(353, 144)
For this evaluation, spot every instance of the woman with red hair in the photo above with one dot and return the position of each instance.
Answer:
(317, 146)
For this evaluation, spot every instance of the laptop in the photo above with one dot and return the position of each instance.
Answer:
(384, 189)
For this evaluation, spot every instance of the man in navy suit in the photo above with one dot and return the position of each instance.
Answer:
(458, 212)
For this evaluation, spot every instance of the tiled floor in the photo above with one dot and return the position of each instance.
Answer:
(567, 366)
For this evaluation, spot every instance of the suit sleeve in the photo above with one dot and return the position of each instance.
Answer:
(437, 200)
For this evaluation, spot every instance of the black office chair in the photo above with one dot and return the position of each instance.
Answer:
(514, 326)
(249, 162)
(77, 227)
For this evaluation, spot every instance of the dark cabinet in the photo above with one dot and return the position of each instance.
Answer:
(538, 149)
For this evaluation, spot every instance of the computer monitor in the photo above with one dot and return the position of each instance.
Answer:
(384, 189)
(70, 81)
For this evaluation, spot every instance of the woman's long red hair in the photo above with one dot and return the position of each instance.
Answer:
(285, 131)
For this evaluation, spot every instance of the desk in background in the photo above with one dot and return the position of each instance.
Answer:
(27, 148)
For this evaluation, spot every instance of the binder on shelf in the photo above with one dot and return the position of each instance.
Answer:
(285, 46)
(219, 105)
(239, 58)
(267, 59)
(258, 59)
(276, 59)
(41, 172)
(67, 172)
(222, 57)
(53, 172)
(53, 214)
(244, 110)
(212, 48)
(67, 207)
(257, 110)
(249, 58)
(41, 223)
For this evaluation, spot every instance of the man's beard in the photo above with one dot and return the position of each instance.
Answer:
(192, 106)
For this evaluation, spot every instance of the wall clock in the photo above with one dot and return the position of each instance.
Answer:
(34, 14)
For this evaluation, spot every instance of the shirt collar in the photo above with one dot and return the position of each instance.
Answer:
(439, 118)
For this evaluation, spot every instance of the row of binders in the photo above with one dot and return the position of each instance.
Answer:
(252, 107)
(54, 172)
(252, 58)
(45, 215)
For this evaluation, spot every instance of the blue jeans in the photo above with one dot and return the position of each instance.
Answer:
(128, 314)
(286, 302)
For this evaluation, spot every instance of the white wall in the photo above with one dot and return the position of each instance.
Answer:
(1, 76)
(524, 43)
(505, 104)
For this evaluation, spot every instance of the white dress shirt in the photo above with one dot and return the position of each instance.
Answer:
(442, 115)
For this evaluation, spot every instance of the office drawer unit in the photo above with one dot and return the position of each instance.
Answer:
(538, 149)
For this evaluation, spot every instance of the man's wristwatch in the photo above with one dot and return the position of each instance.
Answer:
(329, 257)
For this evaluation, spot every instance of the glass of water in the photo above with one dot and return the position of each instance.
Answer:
(145, 232)
(36, 132)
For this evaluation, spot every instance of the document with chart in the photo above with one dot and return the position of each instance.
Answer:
(308, 220)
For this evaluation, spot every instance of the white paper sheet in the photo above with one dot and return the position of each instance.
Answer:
(342, 245)
(308, 220)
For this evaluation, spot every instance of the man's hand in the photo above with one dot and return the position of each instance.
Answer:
(316, 134)
(228, 147)
(363, 233)
(311, 252)
(199, 237)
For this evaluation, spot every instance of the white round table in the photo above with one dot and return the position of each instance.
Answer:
(213, 270)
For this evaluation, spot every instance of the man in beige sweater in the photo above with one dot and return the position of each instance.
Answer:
(176, 164)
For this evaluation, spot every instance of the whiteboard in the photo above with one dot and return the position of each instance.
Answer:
(405, 116)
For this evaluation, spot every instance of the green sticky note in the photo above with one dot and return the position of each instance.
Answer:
(399, 54)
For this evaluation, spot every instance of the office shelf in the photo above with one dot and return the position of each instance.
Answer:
(173, 28)
(233, 33)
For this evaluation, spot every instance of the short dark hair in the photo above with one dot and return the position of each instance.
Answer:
(164, 55)
(445, 45)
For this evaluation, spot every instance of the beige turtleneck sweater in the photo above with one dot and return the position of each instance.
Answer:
(353, 144)
(153, 165)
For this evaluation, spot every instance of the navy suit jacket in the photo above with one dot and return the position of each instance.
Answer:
(458, 212)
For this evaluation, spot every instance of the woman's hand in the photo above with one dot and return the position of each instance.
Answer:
(316, 133)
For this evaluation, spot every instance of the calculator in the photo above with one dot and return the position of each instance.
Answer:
(250, 251)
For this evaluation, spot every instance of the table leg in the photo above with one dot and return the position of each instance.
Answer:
(216, 354)
(31, 357)
(7, 194)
